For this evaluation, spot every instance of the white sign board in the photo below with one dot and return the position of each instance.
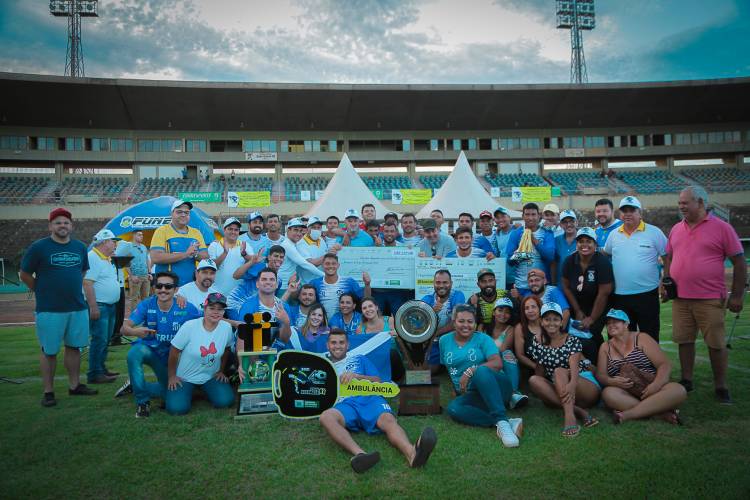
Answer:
(261, 156)
(463, 272)
(389, 267)
(304, 195)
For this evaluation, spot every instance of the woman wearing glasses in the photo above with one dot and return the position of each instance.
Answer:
(483, 390)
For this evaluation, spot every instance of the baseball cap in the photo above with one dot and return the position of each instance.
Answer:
(391, 214)
(351, 212)
(618, 314)
(230, 221)
(295, 222)
(254, 215)
(428, 224)
(57, 212)
(313, 220)
(551, 307)
(483, 271)
(551, 207)
(215, 298)
(179, 203)
(568, 213)
(485, 213)
(105, 234)
(502, 210)
(206, 264)
(504, 302)
(630, 201)
(587, 232)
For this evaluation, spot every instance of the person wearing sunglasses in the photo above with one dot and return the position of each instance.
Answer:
(154, 322)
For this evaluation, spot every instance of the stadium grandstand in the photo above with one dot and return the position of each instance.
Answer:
(99, 145)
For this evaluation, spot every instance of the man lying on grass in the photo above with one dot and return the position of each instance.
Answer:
(369, 413)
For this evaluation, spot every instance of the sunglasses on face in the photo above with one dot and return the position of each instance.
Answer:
(165, 286)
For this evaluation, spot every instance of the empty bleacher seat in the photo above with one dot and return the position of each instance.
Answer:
(433, 181)
(652, 182)
(720, 179)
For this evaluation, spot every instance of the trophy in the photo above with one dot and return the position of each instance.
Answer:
(258, 333)
(416, 324)
(525, 250)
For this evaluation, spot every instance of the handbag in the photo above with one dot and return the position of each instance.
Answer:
(639, 378)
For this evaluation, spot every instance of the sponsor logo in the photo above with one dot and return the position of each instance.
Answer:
(65, 259)
(144, 222)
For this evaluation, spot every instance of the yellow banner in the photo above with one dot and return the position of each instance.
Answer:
(529, 194)
(415, 196)
(253, 199)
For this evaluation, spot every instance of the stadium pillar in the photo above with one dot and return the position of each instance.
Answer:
(669, 160)
(277, 170)
(740, 161)
(411, 170)
(604, 165)
(59, 170)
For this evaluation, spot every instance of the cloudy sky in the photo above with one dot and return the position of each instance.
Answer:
(386, 41)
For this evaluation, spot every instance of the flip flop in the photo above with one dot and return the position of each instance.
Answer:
(566, 431)
(672, 417)
(425, 444)
(364, 461)
(590, 421)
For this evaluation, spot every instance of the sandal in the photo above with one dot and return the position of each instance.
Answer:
(617, 417)
(424, 446)
(362, 462)
(590, 421)
(672, 417)
(571, 431)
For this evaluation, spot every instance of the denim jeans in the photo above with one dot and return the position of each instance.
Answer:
(483, 404)
(510, 367)
(141, 355)
(100, 332)
(179, 401)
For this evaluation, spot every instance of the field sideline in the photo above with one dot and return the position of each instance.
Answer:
(94, 447)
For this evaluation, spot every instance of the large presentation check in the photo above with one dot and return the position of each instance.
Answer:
(463, 271)
(389, 267)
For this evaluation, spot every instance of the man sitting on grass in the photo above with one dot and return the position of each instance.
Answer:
(369, 413)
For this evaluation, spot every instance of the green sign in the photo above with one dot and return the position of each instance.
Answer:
(556, 191)
(199, 196)
(378, 193)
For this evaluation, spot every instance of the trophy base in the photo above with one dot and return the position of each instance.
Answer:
(422, 399)
(257, 403)
(418, 377)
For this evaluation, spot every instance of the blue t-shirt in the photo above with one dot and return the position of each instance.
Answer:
(501, 241)
(337, 321)
(246, 289)
(476, 253)
(602, 233)
(139, 264)
(542, 254)
(254, 305)
(361, 366)
(457, 359)
(444, 245)
(262, 242)
(362, 239)
(328, 294)
(166, 324)
(59, 272)
(551, 294)
(455, 298)
(562, 250)
(482, 242)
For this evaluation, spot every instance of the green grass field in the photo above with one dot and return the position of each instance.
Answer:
(94, 447)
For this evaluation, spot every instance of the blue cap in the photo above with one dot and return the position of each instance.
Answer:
(551, 307)
(502, 210)
(568, 213)
(587, 232)
(254, 215)
(504, 302)
(618, 314)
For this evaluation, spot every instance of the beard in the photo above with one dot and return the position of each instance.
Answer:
(488, 290)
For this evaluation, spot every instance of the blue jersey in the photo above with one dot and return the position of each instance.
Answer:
(551, 294)
(562, 250)
(254, 305)
(362, 239)
(542, 255)
(166, 324)
(476, 253)
(59, 272)
(475, 352)
(455, 298)
(337, 321)
(256, 245)
(602, 233)
(483, 243)
(246, 289)
(328, 294)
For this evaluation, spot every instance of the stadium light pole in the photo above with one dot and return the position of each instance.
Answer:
(74, 10)
(576, 15)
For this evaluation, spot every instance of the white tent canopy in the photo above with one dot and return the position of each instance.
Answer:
(462, 192)
(345, 190)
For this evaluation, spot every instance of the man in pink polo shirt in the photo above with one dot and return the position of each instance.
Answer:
(696, 250)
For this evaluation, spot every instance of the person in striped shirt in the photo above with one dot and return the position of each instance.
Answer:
(465, 246)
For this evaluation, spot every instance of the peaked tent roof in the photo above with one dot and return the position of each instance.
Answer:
(345, 190)
(461, 192)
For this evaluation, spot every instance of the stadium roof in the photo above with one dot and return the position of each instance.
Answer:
(55, 101)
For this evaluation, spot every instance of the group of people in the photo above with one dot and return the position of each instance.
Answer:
(541, 329)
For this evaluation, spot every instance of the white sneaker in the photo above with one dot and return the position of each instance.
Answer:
(518, 400)
(517, 425)
(506, 434)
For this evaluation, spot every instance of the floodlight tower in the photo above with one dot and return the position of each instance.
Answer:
(74, 10)
(576, 15)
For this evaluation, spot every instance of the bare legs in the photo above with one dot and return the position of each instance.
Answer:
(48, 366)
(586, 394)
(662, 403)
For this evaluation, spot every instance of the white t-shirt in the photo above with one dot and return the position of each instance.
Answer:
(104, 275)
(201, 350)
(192, 294)
(294, 263)
(310, 251)
(224, 282)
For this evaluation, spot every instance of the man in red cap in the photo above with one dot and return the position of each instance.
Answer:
(53, 268)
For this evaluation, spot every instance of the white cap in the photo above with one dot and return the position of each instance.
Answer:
(630, 201)
(351, 212)
(568, 213)
(551, 307)
(295, 222)
(313, 220)
(230, 221)
(254, 215)
(104, 235)
(587, 232)
(504, 302)
(179, 203)
(551, 207)
(206, 263)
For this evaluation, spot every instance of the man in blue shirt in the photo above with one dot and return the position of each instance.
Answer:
(371, 414)
(565, 244)
(538, 287)
(332, 286)
(542, 252)
(53, 269)
(466, 246)
(435, 244)
(442, 301)
(502, 235)
(248, 272)
(155, 322)
(254, 237)
(604, 212)
(354, 236)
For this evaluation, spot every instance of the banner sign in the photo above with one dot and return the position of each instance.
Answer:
(248, 199)
(495, 192)
(411, 196)
(197, 196)
(304, 196)
(463, 271)
(529, 194)
(389, 267)
(261, 156)
(378, 193)
(319, 194)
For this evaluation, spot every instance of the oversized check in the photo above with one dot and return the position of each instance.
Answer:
(463, 271)
(389, 267)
